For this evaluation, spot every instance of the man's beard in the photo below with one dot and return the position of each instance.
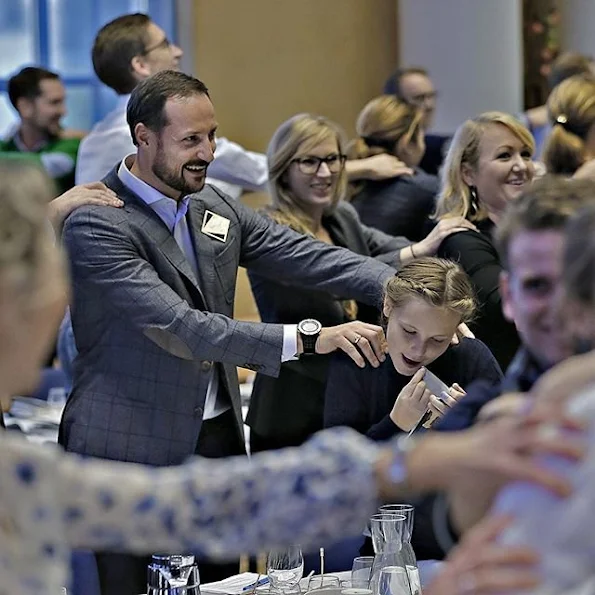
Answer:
(172, 179)
(53, 131)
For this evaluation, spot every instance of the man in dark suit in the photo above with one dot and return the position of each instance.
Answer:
(413, 85)
(154, 282)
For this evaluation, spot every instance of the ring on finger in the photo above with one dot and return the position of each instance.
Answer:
(356, 339)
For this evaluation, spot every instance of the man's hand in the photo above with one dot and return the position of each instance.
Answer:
(377, 167)
(357, 339)
(503, 449)
(69, 133)
(506, 405)
(94, 193)
(557, 386)
(479, 565)
(411, 403)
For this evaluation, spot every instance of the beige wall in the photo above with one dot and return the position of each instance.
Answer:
(265, 60)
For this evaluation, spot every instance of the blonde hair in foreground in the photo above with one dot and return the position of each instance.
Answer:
(571, 108)
(454, 199)
(26, 243)
(295, 138)
(441, 283)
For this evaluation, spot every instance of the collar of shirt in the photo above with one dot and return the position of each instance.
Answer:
(20, 145)
(522, 373)
(122, 102)
(169, 210)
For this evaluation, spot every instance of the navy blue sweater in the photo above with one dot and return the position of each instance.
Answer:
(362, 398)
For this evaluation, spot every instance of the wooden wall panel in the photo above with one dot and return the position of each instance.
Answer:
(265, 60)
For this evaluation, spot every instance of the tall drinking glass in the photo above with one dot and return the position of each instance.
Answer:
(387, 532)
(406, 510)
(285, 568)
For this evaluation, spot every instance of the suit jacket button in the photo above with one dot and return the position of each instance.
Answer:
(198, 411)
(206, 365)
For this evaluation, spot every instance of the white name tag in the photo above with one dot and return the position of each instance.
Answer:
(215, 226)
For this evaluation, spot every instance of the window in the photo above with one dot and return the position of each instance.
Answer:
(58, 35)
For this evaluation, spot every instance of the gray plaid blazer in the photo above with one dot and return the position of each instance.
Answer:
(149, 332)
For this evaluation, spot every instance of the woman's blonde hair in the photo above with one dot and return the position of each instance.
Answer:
(454, 199)
(441, 283)
(26, 241)
(571, 108)
(303, 133)
(382, 123)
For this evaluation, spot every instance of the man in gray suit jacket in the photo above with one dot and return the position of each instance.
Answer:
(153, 291)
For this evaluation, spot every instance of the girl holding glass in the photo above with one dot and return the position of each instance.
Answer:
(423, 305)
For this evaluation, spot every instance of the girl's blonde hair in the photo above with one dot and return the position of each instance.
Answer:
(571, 108)
(26, 241)
(454, 199)
(441, 283)
(301, 133)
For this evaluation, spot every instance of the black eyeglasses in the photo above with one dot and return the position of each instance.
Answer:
(421, 98)
(163, 44)
(310, 165)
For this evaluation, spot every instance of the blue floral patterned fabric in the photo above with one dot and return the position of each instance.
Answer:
(51, 502)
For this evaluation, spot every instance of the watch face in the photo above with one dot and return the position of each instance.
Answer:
(309, 326)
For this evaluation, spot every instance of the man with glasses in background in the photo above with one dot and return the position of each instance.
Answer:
(126, 51)
(131, 48)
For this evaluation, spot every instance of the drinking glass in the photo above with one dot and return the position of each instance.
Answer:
(387, 532)
(361, 571)
(405, 509)
(393, 581)
(285, 568)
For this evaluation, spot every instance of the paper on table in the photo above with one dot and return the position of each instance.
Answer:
(233, 585)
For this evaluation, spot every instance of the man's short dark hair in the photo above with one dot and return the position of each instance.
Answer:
(26, 83)
(404, 71)
(547, 205)
(148, 99)
(567, 65)
(115, 45)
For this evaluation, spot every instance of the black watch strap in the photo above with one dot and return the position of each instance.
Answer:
(309, 344)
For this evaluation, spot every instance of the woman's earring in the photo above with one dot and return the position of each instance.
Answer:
(473, 201)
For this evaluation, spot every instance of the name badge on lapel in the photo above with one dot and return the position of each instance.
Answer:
(215, 226)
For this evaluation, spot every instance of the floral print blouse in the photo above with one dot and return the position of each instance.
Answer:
(51, 502)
